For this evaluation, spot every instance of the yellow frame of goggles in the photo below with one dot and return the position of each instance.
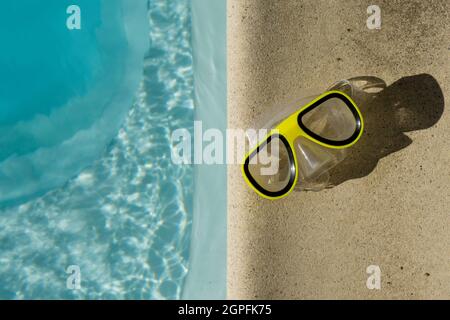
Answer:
(292, 128)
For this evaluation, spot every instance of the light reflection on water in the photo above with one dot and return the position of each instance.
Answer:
(126, 220)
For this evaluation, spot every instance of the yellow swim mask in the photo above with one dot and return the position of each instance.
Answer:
(332, 120)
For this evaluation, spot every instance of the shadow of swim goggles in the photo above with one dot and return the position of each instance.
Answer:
(332, 120)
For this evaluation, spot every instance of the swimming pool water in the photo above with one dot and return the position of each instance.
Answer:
(207, 277)
(125, 220)
(60, 87)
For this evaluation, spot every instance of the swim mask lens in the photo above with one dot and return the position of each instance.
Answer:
(271, 167)
(333, 120)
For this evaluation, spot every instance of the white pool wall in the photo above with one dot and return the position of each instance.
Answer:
(208, 268)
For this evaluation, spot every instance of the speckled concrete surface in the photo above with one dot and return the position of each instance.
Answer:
(391, 205)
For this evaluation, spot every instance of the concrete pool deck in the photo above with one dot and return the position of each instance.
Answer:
(391, 205)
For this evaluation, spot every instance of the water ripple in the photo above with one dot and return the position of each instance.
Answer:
(126, 220)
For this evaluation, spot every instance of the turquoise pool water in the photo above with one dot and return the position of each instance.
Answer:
(115, 206)
(44, 31)
(61, 86)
